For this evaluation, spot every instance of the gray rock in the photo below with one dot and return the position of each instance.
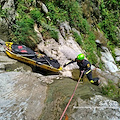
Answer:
(108, 60)
(2, 66)
(44, 8)
(117, 59)
(117, 51)
(22, 96)
(2, 42)
(97, 108)
(5, 24)
(65, 28)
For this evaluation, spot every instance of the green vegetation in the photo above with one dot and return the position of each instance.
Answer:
(90, 47)
(29, 13)
(111, 90)
(110, 19)
(78, 39)
(62, 11)
(3, 13)
(36, 15)
(56, 13)
(23, 30)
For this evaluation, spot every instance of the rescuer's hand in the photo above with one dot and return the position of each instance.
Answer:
(64, 65)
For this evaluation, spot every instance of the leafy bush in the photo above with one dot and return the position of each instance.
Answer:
(56, 13)
(3, 13)
(77, 38)
(22, 30)
(54, 34)
(61, 10)
(110, 19)
(90, 47)
(50, 29)
(36, 15)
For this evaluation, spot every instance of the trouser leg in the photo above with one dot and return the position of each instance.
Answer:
(94, 81)
(89, 76)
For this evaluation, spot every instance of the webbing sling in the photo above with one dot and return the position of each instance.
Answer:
(71, 96)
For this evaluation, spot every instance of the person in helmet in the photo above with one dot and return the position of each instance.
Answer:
(84, 65)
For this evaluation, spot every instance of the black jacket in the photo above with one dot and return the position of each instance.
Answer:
(83, 65)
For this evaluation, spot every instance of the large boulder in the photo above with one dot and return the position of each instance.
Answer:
(108, 60)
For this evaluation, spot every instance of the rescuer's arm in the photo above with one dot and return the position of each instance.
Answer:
(72, 61)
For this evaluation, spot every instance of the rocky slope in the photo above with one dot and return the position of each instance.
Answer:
(28, 95)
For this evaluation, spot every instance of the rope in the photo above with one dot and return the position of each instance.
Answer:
(71, 96)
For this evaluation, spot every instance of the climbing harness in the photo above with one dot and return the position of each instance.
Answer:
(71, 96)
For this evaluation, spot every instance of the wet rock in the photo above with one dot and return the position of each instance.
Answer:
(115, 77)
(48, 79)
(97, 108)
(22, 96)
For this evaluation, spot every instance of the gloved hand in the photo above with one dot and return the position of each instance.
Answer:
(64, 65)
(83, 71)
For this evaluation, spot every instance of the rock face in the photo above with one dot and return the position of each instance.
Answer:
(64, 50)
(63, 53)
(5, 22)
(20, 94)
(67, 49)
(97, 108)
(9, 7)
(117, 53)
(107, 58)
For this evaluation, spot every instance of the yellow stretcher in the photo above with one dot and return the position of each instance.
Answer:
(28, 60)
